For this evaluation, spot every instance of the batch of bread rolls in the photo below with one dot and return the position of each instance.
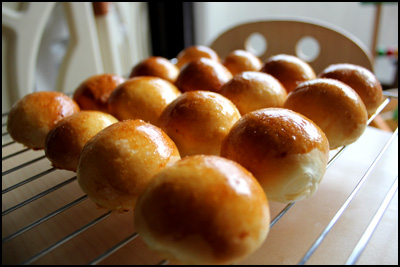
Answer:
(197, 148)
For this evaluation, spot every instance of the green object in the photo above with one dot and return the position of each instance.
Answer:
(380, 52)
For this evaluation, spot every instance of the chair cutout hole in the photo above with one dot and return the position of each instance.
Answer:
(307, 48)
(256, 44)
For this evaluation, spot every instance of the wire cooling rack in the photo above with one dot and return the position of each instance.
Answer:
(47, 219)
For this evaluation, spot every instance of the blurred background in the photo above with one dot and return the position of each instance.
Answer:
(358, 18)
(114, 36)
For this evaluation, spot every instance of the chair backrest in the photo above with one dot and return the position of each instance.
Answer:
(96, 44)
(326, 44)
(26, 29)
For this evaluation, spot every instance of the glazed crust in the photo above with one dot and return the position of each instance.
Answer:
(142, 98)
(252, 90)
(195, 52)
(289, 70)
(203, 210)
(334, 106)
(285, 151)
(158, 67)
(203, 74)
(66, 140)
(361, 80)
(93, 93)
(197, 121)
(117, 163)
(238, 61)
(32, 117)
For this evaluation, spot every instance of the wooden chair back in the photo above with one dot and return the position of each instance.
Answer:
(326, 44)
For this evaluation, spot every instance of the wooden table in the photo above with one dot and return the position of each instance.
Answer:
(68, 228)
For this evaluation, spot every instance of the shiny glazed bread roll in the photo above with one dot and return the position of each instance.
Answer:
(251, 90)
(203, 74)
(32, 117)
(195, 52)
(157, 67)
(289, 70)
(286, 152)
(361, 80)
(334, 106)
(93, 93)
(238, 61)
(117, 163)
(142, 98)
(65, 141)
(203, 210)
(197, 121)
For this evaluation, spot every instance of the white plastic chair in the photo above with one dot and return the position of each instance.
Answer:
(26, 28)
(96, 44)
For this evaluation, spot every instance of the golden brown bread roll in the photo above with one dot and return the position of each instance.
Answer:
(239, 60)
(93, 93)
(251, 90)
(65, 141)
(203, 210)
(361, 80)
(142, 98)
(289, 70)
(156, 66)
(286, 152)
(32, 117)
(334, 106)
(197, 121)
(203, 74)
(117, 163)
(195, 52)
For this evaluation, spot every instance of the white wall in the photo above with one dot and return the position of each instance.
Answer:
(214, 18)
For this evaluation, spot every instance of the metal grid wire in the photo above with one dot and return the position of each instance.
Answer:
(23, 240)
